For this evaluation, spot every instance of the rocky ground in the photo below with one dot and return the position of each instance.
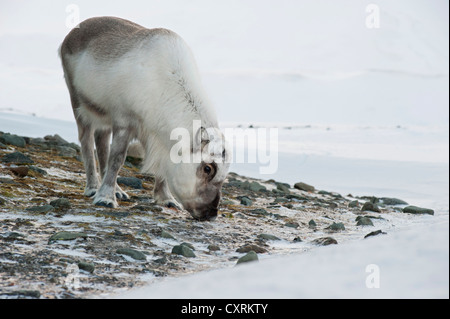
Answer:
(55, 244)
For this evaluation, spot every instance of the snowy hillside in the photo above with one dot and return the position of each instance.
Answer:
(312, 61)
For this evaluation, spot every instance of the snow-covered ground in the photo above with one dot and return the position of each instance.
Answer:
(359, 110)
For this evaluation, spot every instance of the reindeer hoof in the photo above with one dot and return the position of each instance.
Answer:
(173, 205)
(105, 204)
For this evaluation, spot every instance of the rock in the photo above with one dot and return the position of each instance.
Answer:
(61, 203)
(86, 266)
(297, 240)
(259, 211)
(66, 235)
(20, 171)
(281, 200)
(183, 250)
(165, 234)
(249, 257)
(336, 227)
(132, 182)
(12, 139)
(37, 170)
(40, 209)
(312, 224)
(371, 207)
(375, 233)
(257, 187)
(66, 151)
(17, 158)
(304, 187)
(188, 245)
(292, 224)
(213, 247)
(246, 201)
(417, 210)
(353, 204)
(282, 187)
(392, 201)
(324, 241)
(251, 247)
(135, 254)
(25, 293)
(2, 201)
(56, 140)
(268, 237)
(363, 221)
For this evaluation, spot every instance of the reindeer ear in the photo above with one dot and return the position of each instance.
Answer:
(201, 138)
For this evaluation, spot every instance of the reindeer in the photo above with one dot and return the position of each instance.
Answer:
(142, 84)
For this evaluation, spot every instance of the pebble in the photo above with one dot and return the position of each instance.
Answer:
(312, 224)
(418, 210)
(61, 203)
(165, 234)
(257, 187)
(363, 221)
(268, 237)
(132, 182)
(336, 227)
(66, 235)
(392, 201)
(86, 266)
(246, 201)
(375, 233)
(304, 187)
(135, 254)
(17, 158)
(40, 209)
(371, 207)
(213, 247)
(20, 171)
(324, 241)
(251, 247)
(249, 257)
(183, 250)
(353, 204)
(282, 187)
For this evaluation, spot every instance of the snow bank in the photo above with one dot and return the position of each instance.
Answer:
(404, 264)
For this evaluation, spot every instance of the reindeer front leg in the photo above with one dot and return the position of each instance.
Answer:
(106, 195)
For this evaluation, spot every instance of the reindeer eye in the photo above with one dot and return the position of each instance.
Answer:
(207, 169)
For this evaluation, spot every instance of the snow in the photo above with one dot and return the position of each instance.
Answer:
(358, 110)
(404, 264)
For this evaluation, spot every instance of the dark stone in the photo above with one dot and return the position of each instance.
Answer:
(324, 241)
(183, 250)
(20, 171)
(371, 207)
(12, 139)
(17, 158)
(418, 210)
(353, 204)
(213, 247)
(40, 209)
(66, 235)
(312, 224)
(268, 237)
(251, 247)
(246, 201)
(375, 233)
(249, 257)
(363, 221)
(86, 266)
(304, 187)
(132, 182)
(135, 254)
(336, 227)
(61, 203)
(392, 201)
